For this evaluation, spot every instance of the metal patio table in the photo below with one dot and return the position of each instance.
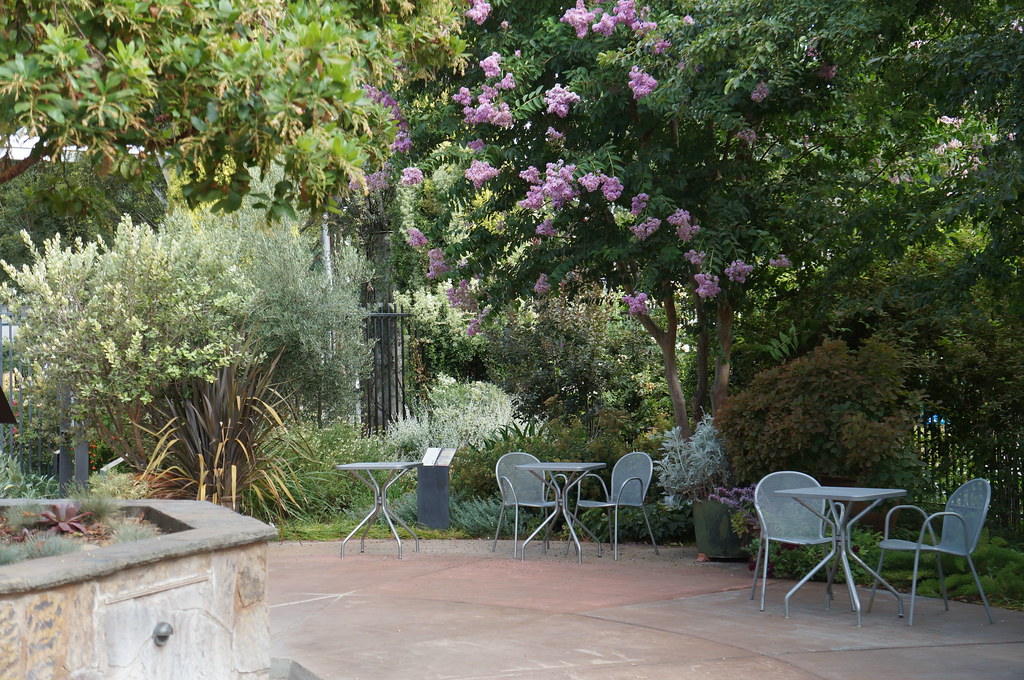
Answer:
(571, 474)
(838, 500)
(365, 473)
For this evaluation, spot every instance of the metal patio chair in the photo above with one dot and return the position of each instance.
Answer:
(785, 520)
(519, 489)
(631, 477)
(962, 521)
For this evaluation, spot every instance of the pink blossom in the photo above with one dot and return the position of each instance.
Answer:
(546, 228)
(542, 287)
(660, 46)
(437, 265)
(518, 53)
(479, 172)
(747, 135)
(559, 99)
(479, 11)
(641, 83)
(605, 25)
(578, 17)
(491, 65)
(680, 219)
(558, 183)
(637, 304)
(696, 259)
(642, 28)
(639, 203)
(402, 143)
(504, 25)
(416, 238)
(474, 324)
(553, 135)
(780, 261)
(460, 298)
(760, 92)
(688, 20)
(534, 198)
(612, 188)
(645, 228)
(411, 176)
(531, 175)
(707, 286)
(475, 146)
(738, 271)
(590, 181)
(625, 11)
(502, 116)
(463, 96)
(506, 83)
(377, 181)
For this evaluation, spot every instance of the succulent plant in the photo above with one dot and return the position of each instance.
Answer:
(64, 518)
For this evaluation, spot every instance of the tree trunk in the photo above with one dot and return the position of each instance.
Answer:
(666, 340)
(720, 388)
(700, 394)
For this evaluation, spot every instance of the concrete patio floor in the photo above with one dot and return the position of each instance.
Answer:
(456, 611)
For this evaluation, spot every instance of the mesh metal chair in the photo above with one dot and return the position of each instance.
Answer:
(962, 522)
(631, 477)
(519, 489)
(785, 520)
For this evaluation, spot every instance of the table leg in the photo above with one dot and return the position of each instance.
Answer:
(380, 505)
(371, 516)
(387, 515)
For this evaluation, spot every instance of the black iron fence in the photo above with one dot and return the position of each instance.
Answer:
(384, 394)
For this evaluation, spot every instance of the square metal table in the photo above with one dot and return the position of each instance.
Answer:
(838, 499)
(364, 472)
(571, 474)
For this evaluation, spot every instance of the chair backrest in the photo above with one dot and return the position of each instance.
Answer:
(783, 517)
(528, 488)
(633, 465)
(971, 502)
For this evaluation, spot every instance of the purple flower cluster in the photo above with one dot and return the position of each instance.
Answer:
(559, 99)
(660, 46)
(696, 259)
(411, 176)
(579, 17)
(542, 287)
(479, 172)
(738, 271)
(685, 230)
(645, 228)
(639, 203)
(688, 20)
(637, 304)
(611, 187)
(625, 13)
(476, 145)
(377, 181)
(416, 238)
(491, 65)
(403, 141)
(641, 83)
(506, 83)
(437, 266)
(780, 261)
(460, 297)
(557, 185)
(707, 286)
(760, 92)
(747, 135)
(479, 11)
(546, 228)
(553, 135)
(463, 96)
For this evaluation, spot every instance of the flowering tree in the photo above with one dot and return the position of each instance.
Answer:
(642, 146)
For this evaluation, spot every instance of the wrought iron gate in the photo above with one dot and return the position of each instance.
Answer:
(384, 388)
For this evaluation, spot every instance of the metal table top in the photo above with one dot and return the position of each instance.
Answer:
(561, 467)
(401, 465)
(842, 493)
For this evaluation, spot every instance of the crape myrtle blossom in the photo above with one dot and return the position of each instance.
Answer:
(760, 92)
(491, 65)
(780, 261)
(437, 266)
(463, 96)
(590, 181)
(552, 135)
(416, 238)
(707, 286)
(542, 287)
(480, 172)
(375, 181)
(411, 176)
(557, 185)
(747, 135)
(546, 228)
(605, 25)
(637, 304)
(645, 228)
(639, 203)
(688, 20)
(506, 83)
(641, 83)
(738, 271)
(685, 230)
(476, 145)
(559, 99)
(696, 259)
(660, 46)
(579, 17)
(611, 187)
(460, 297)
(479, 11)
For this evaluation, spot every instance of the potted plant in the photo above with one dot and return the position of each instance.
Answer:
(692, 470)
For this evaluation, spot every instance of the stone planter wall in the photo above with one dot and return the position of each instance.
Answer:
(91, 615)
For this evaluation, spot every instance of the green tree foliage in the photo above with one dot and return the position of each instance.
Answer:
(212, 88)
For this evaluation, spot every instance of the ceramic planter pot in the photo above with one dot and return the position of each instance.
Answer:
(715, 535)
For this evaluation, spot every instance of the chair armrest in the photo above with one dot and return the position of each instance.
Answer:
(924, 516)
(931, 530)
(504, 482)
(579, 486)
(618, 494)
